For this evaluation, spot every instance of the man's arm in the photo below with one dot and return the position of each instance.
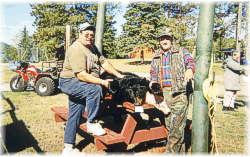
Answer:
(107, 66)
(233, 65)
(86, 77)
(189, 60)
(189, 64)
(153, 76)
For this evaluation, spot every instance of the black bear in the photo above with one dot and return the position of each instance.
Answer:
(132, 88)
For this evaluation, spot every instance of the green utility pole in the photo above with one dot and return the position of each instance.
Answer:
(200, 121)
(100, 25)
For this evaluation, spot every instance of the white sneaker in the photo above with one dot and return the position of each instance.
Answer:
(70, 152)
(95, 128)
(98, 125)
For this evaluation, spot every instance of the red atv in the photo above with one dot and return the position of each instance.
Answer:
(44, 82)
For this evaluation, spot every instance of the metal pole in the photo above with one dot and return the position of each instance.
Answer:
(68, 36)
(37, 60)
(200, 120)
(100, 25)
(18, 54)
(247, 36)
(239, 27)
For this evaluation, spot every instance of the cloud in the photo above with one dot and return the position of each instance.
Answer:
(9, 6)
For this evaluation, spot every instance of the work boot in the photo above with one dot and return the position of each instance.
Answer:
(95, 129)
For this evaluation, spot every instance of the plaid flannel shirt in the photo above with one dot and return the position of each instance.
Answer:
(165, 67)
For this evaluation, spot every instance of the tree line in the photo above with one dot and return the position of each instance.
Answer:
(143, 20)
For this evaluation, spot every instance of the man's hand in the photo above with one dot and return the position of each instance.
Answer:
(106, 82)
(188, 75)
(121, 76)
(151, 83)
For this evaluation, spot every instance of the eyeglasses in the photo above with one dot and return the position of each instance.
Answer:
(89, 35)
(165, 38)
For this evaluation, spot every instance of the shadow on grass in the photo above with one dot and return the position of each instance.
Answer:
(86, 141)
(188, 135)
(155, 146)
(241, 103)
(238, 103)
(138, 63)
(115, 122)
(16, 136)
(56, 92)
(159, 145)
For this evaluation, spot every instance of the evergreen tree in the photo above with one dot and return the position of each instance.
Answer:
(143, 22)
(9, 52)
(182, 17)
(144, 19)
(109, 43)
(52, 18)
(225, 30)
(24, 45)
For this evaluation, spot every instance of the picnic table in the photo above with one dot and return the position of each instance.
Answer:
(134, 129)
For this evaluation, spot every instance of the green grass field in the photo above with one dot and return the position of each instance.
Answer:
(31, 129)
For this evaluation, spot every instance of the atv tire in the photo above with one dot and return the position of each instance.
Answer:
(20, 87)
(45, 86)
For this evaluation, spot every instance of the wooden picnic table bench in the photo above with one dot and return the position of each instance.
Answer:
(134, 129)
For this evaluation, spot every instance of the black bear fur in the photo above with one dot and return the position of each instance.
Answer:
(132, 88)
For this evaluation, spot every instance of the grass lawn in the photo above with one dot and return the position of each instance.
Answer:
(30, 127)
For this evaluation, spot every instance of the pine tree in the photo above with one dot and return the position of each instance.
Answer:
(223, 30)
(182, 17)
(144, 19)
(10, 54)
(25, 45)
(109, 43)
(52, 18)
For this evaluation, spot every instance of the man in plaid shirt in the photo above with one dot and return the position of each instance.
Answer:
(173, 68)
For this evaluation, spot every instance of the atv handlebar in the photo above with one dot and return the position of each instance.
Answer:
(24, 64)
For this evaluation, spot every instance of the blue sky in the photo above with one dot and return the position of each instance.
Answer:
(14, 16)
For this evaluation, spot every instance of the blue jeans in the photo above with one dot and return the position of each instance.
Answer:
(81, 95)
